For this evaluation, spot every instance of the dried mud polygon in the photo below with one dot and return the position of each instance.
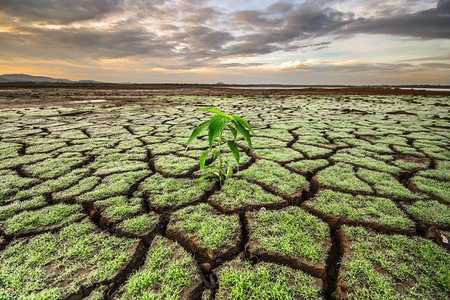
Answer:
(392, 266)
(84, 190)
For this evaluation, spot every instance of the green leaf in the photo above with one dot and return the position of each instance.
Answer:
(233, 131)
(203, 177)
(229, 172)
(216, 153)
(216, 126)
(244, 132)
(235, 151)
(197, 131)
(223, 172)
(243, 123)
(213, 110)
(203, 159)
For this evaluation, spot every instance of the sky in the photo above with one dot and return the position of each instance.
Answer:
(232, 41)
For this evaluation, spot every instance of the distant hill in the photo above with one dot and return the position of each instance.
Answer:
(9, 78)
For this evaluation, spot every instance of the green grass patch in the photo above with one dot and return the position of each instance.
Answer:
(142, 223)
(386, 184)
(54, 167)
(308, 164)
(442, 171)
(378, 266)
(120, 166)
(430, 211)
(114, 185)
(264, 143)
(11, 209)
(214, 231)
(437, 188)
(168, 271)
(54, 216)
(342, 176)
(238, 193)
(81, 187)
(311, 151)
(173, 164)
(11, 182)
(53, 185)
(55, 265)
(272, 174)
(278, 154)
(367, 162)
(163, 191)
(120, 207)
(291, 232)
(23, 160)
(241, 281)
(363, 208)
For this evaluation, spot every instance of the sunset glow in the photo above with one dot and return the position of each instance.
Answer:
(232, 41)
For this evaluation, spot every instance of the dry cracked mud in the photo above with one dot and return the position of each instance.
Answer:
(344, 196)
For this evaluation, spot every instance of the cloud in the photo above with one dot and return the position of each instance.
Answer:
(194, 34)
(60, 11)
(425, 24)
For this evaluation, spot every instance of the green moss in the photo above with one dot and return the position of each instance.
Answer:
(141, 223)
(55, 216)
(431, 212)
(173, 191)
(241, 281)
(167, 272)
(236, 193)
(363, 208)
(291, 232)
(378, 266)
(308, 164)
(311, 151)
(342, 176)
(437, 188)
(113, 185)
(173, 164)
(55, 265)
(386, 184)
(212, 230)
(272, 174)
(278, 154)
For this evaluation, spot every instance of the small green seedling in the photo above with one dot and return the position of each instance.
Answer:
(216, 126)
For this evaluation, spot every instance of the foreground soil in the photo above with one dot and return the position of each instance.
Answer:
(345, 194)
